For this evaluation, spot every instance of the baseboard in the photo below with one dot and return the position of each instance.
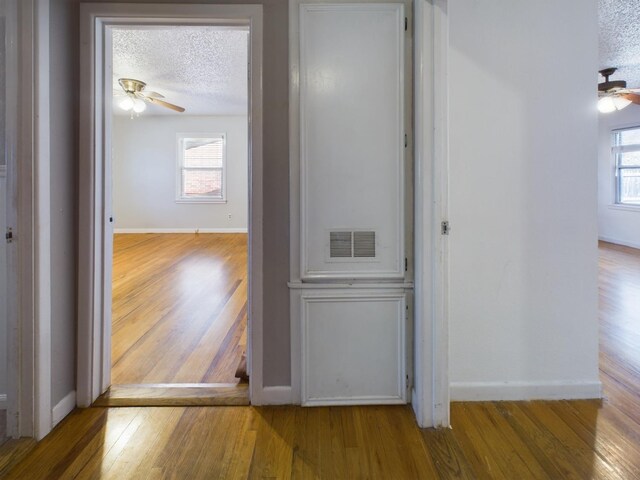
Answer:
(619, 242)
(554, 390)
(180, 230)
(276, 396)
(63, 408)
(3, 401)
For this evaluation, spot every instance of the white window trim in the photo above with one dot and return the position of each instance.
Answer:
(179, 161)
(617, 203)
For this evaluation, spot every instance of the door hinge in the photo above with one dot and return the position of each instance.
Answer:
(444, 228)
(406, 24)
(406, 141)
(8, 236)
(406, 264)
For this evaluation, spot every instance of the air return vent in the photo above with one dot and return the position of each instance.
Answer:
(340, 244)
(364, 244)
(352, 244)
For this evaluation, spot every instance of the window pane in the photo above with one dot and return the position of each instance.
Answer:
(202, 183)
(631, 159)
(630, 186)
(203, 152)
(629, 137)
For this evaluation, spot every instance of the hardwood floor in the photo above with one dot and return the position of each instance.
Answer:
(179, 307)
(503, 440)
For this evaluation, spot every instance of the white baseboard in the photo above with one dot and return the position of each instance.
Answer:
(180, 230)
(276, 396)
(619, 242)
(3, 401)
(63, 408)
(554, 390)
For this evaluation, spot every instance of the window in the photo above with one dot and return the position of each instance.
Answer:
(201, 168)
(626, 153)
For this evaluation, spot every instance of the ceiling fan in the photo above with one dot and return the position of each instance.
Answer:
(614, 94)
(136, 97)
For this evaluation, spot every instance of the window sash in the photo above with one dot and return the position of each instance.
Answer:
(182, 170)
(187, 196)
(618, 150)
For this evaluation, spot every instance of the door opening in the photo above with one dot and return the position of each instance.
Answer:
(178, 210)
(175, 205)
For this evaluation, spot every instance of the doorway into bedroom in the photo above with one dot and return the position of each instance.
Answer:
(179, 193)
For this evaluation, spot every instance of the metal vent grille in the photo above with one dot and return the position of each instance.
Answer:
(340, 244)
(364, 244)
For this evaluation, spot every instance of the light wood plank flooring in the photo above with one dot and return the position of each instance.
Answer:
(179, 307)
(503, 440)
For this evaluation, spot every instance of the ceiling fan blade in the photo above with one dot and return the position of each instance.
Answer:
(635, 98)
(152, 94)
(162, 103)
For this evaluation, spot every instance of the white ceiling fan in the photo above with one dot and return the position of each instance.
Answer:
(136, 96)
(614, 94)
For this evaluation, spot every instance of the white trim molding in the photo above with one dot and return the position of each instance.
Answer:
(94, 302)
(280, 395)
(193, 230)
(28, 213)
(64, 407)
(430, 398)
(513, 391)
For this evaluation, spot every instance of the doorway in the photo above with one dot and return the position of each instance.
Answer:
(184, 292)
(179, 198)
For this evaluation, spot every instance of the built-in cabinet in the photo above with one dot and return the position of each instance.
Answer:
(350, 288)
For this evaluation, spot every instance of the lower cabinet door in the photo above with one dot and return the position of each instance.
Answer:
(353, 347)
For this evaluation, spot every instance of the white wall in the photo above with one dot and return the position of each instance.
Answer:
(615, 224)
(523, 249)
(144, 174)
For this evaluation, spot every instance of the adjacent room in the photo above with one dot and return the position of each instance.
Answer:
(179, 144)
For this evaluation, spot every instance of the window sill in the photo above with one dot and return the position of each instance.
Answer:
(201, 200)
(621, 206)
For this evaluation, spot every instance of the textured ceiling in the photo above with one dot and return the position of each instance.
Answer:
(620, 39)
(203, 69)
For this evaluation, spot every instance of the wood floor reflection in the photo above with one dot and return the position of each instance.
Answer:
(179, 307)
(488, 440)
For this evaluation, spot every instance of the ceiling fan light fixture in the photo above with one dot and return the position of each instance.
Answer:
(139, 106)
(127, 104)
(612, 103)
(621, 102)
(606, 105)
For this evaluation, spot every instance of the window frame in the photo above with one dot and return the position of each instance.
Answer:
(180, 198)
(616, 153)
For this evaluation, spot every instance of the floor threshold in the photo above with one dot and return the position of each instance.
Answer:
(175, 394)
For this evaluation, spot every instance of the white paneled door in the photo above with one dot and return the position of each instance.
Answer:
(352, 140)
(350, 293)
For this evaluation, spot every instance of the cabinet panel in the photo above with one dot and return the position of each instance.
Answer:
(353, 348)
(352, 141)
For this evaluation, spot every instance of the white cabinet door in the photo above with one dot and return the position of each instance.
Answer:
(352, 140)
(353, 347)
